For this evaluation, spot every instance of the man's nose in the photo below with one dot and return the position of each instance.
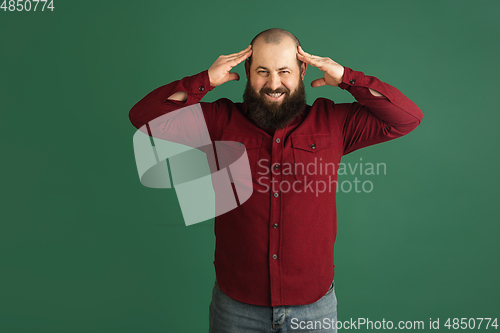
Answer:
(274, 82)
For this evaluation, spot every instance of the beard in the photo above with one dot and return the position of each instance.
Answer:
(273, 115)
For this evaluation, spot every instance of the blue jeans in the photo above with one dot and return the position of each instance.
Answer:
(230, 316)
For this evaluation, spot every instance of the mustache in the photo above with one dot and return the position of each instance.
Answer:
(277, 91)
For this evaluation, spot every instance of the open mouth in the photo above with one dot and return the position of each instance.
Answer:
(275, 96)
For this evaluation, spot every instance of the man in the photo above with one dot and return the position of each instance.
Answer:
(274, 253)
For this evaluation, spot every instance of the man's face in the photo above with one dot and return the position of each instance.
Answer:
(275, 92)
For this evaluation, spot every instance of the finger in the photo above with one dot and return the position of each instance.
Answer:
(318, 62)
(304, 52)
(248, 48)
(318, 83)
(310, 57)
(243, 51)
(232, 77)
(243, 57)
(310, 60)
(235, 61)
(246, 54)
(239, 56)
(301, 56)
(307, 55)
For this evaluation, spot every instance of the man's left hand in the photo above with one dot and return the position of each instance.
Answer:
(334, 72)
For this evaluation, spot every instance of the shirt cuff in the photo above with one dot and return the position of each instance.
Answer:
(197, 85)
(350, 78)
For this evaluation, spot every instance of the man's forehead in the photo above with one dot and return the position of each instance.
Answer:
(273, 55)
(285, 46)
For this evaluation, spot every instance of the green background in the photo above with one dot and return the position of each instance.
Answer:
(84, 247)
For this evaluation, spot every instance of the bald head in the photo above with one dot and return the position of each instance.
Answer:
(274, 36)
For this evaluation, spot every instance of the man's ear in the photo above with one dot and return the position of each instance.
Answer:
(247, 68)
(303, 69)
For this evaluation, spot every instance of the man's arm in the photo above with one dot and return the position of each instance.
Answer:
(157, 102)
(373, 119)
(188, 91)
(381, 112)
(219, 73)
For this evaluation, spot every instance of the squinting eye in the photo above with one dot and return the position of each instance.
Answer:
(261, 72)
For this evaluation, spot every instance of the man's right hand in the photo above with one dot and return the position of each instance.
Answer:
(219, 71)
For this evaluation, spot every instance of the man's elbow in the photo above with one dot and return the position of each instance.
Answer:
(407, 128)
(418, 115)
(134, 116)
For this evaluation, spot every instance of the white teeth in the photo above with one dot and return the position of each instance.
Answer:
(275, 95)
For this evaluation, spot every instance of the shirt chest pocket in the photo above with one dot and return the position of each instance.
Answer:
(233, 145)
(313, 156)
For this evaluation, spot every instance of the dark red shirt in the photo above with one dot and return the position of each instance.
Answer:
(277, 247)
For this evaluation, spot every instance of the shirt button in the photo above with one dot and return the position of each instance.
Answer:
(275, 225)
(278, 140)
(275, 256)
(313, 146)
(201, 88)
(276, 166)
(276, 194)
(352, 81)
